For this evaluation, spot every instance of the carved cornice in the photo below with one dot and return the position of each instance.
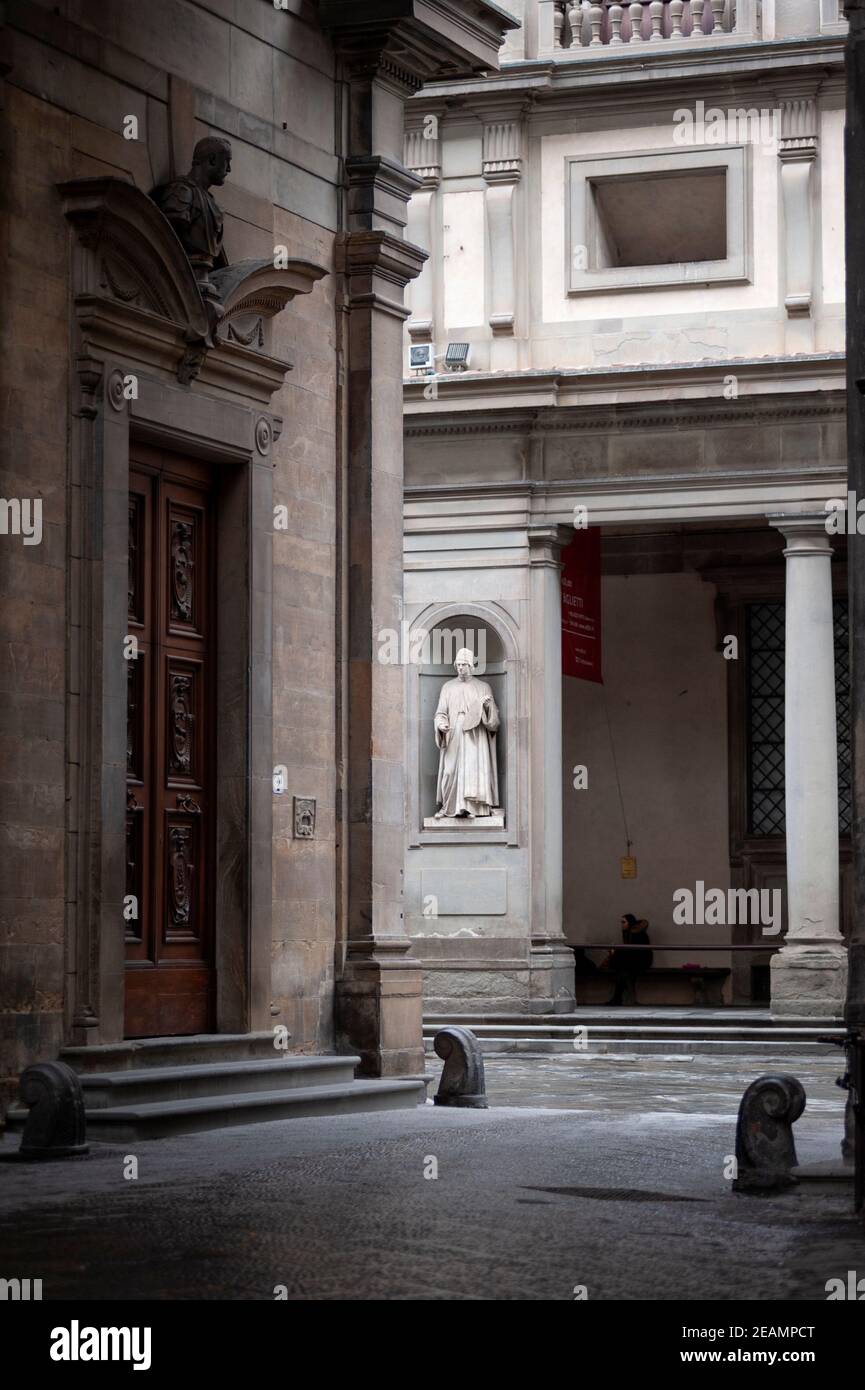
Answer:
(671, 74)
(500, 394)
(527, 493)
(417, 39)
(623, 418)
(381, 173)
(373, 262)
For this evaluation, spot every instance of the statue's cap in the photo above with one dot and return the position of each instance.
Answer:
(465, 655)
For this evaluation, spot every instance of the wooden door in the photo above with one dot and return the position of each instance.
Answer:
(170, 748)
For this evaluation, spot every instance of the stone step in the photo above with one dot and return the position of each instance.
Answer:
(612, 1032)
(651, 1047)
(637, 1018)
(162, 1119)
(124, 1088)
(136, 1053)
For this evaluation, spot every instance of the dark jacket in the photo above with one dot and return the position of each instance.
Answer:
(632, 962)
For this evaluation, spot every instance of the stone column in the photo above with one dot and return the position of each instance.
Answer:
(551, 988)
(797, 151)
(809, 973)
(423, 159)
(502, 170)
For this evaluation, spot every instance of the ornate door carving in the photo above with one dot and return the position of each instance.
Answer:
(170, 748)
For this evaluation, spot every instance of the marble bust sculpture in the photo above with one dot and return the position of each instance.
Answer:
(465, 722)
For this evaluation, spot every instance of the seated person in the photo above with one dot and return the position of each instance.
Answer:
(625, 965)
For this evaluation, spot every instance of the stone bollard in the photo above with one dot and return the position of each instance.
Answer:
(765, 1149)
(55, 1127)
(462, 1080)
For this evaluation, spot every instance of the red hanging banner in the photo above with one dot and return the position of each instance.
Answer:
(581, 606)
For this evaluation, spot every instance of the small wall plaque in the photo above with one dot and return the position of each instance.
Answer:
(629, 867)
(304, 818)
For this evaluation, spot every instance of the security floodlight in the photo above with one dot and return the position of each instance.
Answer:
(458, 356)
(421, 357)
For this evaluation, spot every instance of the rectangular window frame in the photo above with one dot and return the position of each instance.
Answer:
(581, 228)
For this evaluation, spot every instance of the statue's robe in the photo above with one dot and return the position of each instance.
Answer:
(196, 217)
(465, 723)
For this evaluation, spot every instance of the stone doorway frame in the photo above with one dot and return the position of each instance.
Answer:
(148, 368)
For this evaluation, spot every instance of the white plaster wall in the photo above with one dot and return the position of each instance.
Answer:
(832, 209)
(666, 693)
(463, 249)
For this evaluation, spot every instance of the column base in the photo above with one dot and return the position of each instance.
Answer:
(809, 980)
(551, 979)
(379, 1014)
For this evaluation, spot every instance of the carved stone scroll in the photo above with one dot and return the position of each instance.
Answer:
(462, 1080)
(55, 1127)
(765, 1149)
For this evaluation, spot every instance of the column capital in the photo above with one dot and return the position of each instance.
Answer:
(805, 532)
(422, 156)
(502, 123)
(798, 136)
(546, 542)
(375, 264)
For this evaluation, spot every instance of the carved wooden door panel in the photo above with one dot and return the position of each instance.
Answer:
(170, 749)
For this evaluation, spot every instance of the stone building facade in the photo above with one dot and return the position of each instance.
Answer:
(636, 232)
(200, 758)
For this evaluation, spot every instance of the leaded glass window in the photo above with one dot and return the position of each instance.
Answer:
(765, 717)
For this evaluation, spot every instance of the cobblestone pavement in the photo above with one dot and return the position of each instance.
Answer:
(597, 1172)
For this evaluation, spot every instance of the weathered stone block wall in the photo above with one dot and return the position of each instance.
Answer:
(34, 351)
(263, 78)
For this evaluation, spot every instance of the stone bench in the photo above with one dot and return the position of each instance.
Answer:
(662, 985)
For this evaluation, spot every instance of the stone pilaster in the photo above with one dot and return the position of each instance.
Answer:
(423, 159)
(379, 994)
(386, 49)
(502, 170)
(809, 973)
(551, 988)
(797, 151)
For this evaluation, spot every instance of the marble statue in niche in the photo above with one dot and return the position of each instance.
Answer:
(466, 722)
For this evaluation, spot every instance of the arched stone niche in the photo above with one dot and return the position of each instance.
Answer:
(434, 640)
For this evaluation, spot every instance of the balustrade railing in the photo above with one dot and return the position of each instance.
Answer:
(581, 24)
